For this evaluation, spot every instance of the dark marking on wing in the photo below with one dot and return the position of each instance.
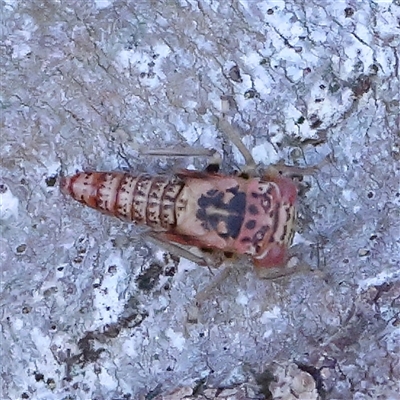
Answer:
(233, 190)
(225, 218)
(250, 224)
(253, 210)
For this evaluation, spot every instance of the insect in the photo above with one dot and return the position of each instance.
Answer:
(232, 215)
(252, 214)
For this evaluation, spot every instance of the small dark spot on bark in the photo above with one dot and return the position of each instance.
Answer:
(362, 85)
(234, 74)
(264, 380)
(316, 374)
(26, 309)
(334, 87)
(21, 248)
(270, 11)
(112, 269)
(149, 278)
(39, 377)
(169, 271)
(348, 12)
(86, 345)
(251, 94)
(374, 69)
(51, 181)
(315, 122)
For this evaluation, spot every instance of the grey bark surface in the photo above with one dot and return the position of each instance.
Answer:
(92, 310)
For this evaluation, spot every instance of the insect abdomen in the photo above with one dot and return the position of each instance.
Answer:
(145, 199)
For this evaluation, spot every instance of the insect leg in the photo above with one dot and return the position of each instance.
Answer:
(159, 239)
(233, 135)
(180, 152)
(214, 158)
(205, 293)
(296, 264)
(279, 272)
(292, 171)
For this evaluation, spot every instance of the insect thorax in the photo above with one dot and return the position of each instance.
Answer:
(234, 214)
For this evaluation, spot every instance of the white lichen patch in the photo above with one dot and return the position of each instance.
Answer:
(107, 300)
(265, 154)
(377, 280)
(176, 339)
(268, 319)
(8, 203)
(103, 3)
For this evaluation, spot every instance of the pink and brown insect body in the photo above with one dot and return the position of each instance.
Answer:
(207, 210)
(243, 216)
(147, 200)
